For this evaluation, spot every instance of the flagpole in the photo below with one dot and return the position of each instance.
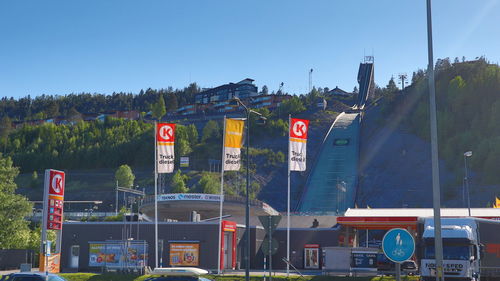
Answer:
(156, 197)
(288, 204)
(221, 196)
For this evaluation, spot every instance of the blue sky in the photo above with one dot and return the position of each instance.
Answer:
(62, 47)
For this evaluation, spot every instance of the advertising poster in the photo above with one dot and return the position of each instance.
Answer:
(184, 254)
(54, 263)
(311, 257)
(117, 254)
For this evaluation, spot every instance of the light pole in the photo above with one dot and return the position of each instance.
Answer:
(466, 179)
(247, 189)
(436, 189)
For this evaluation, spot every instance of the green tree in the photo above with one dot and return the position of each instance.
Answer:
(124, 176)
(73, 115)
(34, 179)
(52, 110)
(192, 133)
(171, 102)
(211, 131)
(391, 86)
(14, 230)
(158, 108)
(178, 184)
(208, 184)
(265, 90)
(5, 129)
(292, 106)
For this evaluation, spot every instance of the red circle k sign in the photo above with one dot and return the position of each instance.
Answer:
(299, 128)
(165, 132)
(56, 183)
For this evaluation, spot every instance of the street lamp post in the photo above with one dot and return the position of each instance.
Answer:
(466, 179)
(247, 189)
(436, 190)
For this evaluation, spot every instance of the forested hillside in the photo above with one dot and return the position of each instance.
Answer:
(468, 104)
(90, 152)
(49, 106)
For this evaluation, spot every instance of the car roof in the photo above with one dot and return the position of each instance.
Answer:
(34, 273)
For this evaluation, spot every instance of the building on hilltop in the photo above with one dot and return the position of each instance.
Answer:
(339, 92)
(244, 89)
(270, 102)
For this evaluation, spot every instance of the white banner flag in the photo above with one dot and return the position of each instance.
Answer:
(165, 140)
(298, 143)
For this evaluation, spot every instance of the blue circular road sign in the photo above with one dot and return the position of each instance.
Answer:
(398, 245)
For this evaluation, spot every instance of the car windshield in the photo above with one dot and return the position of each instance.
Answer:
(449, 252)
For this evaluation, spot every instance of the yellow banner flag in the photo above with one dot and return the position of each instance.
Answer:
(233, 136)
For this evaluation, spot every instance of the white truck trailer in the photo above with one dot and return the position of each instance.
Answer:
(471, 249)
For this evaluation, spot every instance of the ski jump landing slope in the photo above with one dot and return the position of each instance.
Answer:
(331, 186)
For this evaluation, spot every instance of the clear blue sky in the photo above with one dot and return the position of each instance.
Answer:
(60, 47)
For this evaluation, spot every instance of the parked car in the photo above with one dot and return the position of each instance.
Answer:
(177, 278)
(32, 276)
(409, 267)
(386, 266)
(178, 274)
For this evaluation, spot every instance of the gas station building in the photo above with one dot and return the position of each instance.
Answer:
(196, 243)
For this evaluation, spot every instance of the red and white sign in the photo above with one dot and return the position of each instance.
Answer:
(165, 140)
(298, 144)
(56, 183)
(299, 128)
(54, 198)
(165, 132)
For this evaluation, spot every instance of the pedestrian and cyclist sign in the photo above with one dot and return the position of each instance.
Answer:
(398, 245)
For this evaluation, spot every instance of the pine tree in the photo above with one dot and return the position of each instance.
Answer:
(159, 109)
(171, 102)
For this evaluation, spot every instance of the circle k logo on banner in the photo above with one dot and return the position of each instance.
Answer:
(56, 183)
(165, 132)
(299, 128)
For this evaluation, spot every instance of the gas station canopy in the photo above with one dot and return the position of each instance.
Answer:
(406, 217)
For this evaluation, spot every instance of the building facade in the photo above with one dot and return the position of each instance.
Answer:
(244, 89)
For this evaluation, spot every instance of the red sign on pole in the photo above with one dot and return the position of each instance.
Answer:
(56, 182)
(165, 132)
(299, 128)
(55, 199)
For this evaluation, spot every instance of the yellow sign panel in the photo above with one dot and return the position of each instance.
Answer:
(234, 133)
(184, 254)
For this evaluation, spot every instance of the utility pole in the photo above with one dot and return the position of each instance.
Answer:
(403, 77)
(310, 80)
